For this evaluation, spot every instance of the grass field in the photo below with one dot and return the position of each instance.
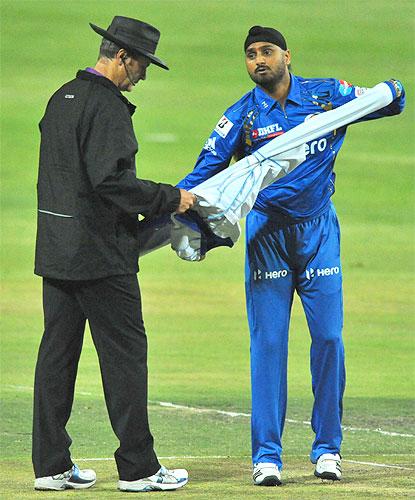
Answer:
(195, 319)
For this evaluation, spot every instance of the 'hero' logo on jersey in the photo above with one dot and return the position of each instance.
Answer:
(269, 275)
(223, 126)
(326, 271)
(315, 146)
(272, 130)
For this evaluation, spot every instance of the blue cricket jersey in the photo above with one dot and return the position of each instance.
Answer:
(257, 118)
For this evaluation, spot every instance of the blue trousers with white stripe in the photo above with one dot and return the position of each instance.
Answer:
(283, 258)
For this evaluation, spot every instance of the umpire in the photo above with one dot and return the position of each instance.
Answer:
(87, 253)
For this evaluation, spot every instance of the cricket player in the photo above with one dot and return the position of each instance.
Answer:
(292, 244)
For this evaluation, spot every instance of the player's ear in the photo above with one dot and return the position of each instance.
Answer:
(121, 56)
(287, 57)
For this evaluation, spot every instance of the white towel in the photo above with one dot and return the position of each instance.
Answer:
(228, 196)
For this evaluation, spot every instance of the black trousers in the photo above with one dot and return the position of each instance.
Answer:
(112, 307)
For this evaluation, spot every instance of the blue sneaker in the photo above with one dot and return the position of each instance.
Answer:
(72, 479)
(162, 480)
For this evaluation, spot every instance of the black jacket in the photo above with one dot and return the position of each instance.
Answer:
(88, 193)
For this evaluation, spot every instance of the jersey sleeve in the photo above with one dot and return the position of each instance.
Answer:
(217, 150)
(345, 92)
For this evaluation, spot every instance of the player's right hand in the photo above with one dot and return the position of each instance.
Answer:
(187, 200)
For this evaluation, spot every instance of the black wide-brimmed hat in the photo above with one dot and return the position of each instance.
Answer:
(133, 35)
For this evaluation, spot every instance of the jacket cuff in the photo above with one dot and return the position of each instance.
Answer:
(173, 205)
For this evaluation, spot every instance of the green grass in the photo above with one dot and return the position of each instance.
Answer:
(215, 448)
(229, 478)
(194, 313)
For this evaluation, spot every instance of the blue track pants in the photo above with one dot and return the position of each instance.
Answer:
(282, 258)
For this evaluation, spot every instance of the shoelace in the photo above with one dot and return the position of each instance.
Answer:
(67, 474)
(164, 474)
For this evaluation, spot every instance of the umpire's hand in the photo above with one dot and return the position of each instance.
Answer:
(187, 200)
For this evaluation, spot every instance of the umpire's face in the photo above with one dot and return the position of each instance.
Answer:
(267, 64)
(132, 70)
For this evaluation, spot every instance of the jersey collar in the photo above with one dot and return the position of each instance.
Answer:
(102, 80)
(267, 103)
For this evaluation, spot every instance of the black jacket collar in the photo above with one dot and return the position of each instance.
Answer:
(102, 80)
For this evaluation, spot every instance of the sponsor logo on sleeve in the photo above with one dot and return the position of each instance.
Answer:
(345, 88)
(223, 126)
(210, 145)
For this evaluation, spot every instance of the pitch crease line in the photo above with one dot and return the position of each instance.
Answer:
(374, 464)
(289, 420)
(229, 413)
(187, 457)
(225, 457)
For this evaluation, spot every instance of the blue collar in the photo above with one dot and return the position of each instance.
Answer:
(267, 102)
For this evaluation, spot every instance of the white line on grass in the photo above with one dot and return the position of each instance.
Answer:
(190, 457)
(374, 464)
(228, 413)
(200, 410)
(226, 457)
(291, 421)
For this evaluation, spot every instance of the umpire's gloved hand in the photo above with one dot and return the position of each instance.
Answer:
(191, 237)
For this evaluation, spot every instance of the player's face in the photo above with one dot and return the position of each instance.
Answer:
(266, 63)
(136, 67)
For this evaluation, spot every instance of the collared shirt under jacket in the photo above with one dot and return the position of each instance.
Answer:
(88, 193)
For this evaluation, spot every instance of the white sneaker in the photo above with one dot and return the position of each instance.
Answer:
(164, 479)
(72, 479)
(266, 474)
(329, 466)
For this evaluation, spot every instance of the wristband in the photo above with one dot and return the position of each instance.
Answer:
(397, 85)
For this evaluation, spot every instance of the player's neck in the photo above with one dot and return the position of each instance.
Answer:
(110, 69)
(280, 90)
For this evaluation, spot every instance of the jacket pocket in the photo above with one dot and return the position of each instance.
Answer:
(57, 244)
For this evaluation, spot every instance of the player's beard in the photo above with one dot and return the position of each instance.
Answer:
(271, 78)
